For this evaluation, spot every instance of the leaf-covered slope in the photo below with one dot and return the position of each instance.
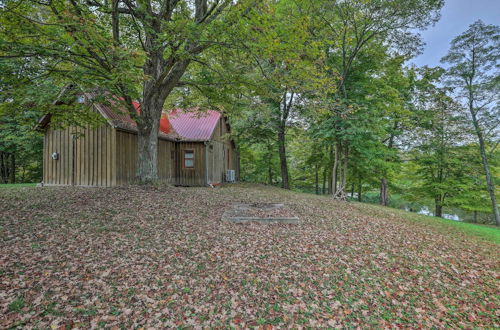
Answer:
(162, 258)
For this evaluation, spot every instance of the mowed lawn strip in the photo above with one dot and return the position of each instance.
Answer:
(16, 185)
(161, 257)
(489, 233)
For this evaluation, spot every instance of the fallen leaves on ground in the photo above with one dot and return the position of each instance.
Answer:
(74, 257)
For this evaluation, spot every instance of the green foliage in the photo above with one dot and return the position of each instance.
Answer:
(18, 138)
(474, 73)
(299, 80)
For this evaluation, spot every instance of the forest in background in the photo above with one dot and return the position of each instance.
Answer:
(320, 95)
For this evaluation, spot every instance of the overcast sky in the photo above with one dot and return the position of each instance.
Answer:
(456, 16)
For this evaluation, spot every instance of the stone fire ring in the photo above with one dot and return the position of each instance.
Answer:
(238, 213)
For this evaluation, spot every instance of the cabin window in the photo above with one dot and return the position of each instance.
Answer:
(188, 159)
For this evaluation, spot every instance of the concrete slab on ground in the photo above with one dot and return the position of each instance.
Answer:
(264, 213)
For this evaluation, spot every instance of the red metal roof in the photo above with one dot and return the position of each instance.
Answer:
(179, 125)
(194, 124)
(119, 117)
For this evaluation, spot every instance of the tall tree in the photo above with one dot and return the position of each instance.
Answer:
(132, 49)
(475, 73)
(351, 26)
(438, 132)
(284, 63)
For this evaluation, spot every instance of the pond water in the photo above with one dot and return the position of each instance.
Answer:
(426, 211)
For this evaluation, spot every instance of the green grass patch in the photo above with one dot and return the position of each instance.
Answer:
(17, 305)
(17, 185)
(489, 233)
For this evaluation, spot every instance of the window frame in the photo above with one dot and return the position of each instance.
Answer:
(188, 151)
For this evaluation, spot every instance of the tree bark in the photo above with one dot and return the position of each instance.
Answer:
(330, 173)
(439, 208)
(360, 190)
(439, 202)
(163, 75)
(155, 92)
(335, 168)
(384, 192)
(2, 167)
(317, 179)
(283, 161)
(345, 162)
(323, 190)
(13, 168)
(469, 81)
(340, 170)
(284, 113)
(7, 167)
(270, 174)
(489, 180)
(269, 166)
(147, 138)
(384, 184)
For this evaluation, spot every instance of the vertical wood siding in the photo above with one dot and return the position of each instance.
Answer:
(222, 154)
(165, 161)
(108, 157)
(190, 176)
(126, 158)
(85, 156)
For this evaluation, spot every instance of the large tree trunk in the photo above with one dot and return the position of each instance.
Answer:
(2, 167)
(7, 167)
(147, 138)
(283, 118)
(282, 154)
(269, 166)
(330, 173)
(270, 174)
(439, 201)
(335, 169)
(147, 166)
(323, 189)
(155, 92)
(489, 180)
(163, 77)
(340, 170)
(345, 162)
(384, 184)
(384, 192)
(360, 190)
(439, 209)
(13, 168)
(317, 179)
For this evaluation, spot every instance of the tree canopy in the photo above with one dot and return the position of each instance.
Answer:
(321, 95)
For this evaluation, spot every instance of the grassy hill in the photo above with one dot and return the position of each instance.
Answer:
(161, 257)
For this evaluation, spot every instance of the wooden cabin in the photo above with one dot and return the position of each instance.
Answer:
(194, 149)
